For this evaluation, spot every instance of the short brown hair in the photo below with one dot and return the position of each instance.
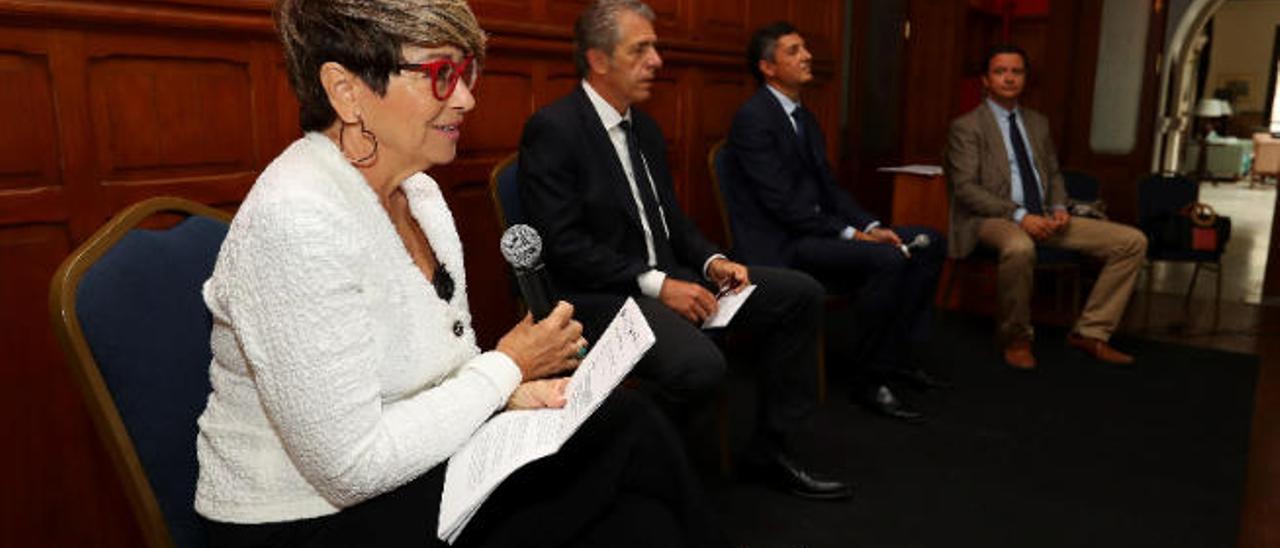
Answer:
(365, 36)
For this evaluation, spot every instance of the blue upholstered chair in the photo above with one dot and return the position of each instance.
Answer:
(127, 308)
(505, 193)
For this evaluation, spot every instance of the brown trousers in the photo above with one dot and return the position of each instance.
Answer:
(1121, 247)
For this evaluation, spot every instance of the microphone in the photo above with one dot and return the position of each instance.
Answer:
(921, 241)
(522, 248)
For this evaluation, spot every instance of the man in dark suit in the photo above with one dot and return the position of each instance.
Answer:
(594, 181)
(788, 210)
(1008, 194)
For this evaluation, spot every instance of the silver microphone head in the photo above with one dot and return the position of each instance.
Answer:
(521, 246)
(920, 241)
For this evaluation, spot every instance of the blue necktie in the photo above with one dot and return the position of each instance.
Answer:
(1030, 187)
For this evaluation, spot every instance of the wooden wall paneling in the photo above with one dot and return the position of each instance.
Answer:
(819, 22)
(931, 75)
(722, 20)
(721, 91)
(32, 184)
(560, 80)
(667, 105)
(504, 100)
(516, 10)
(171, 116)
(674, 18)
(565, 12)
(28, 146)
(62, 491)
(175, 15)
(821, 98)
(763, 12)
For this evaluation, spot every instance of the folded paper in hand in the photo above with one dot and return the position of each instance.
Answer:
(727, 306)
(513, 439)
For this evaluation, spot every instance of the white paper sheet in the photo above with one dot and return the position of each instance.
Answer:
(512, 439)
(915, 169)
(727, 306)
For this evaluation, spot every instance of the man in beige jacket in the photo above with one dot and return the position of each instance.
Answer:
(1007, 194)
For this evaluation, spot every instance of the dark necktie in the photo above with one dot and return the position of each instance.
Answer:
(1030, 188)
(663, 255)
(802, 135)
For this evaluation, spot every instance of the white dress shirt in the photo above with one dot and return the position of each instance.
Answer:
(651, 281)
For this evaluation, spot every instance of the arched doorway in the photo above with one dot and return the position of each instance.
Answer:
(1254, 272)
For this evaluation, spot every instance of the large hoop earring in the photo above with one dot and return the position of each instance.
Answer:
(367, 159)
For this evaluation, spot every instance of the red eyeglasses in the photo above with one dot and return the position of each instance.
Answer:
(445, 73)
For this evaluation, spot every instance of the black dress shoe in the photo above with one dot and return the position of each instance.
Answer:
(882, 401)
(918, 378)
(781, 472)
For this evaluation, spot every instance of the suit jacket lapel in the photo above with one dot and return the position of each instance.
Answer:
(998, 155)
(602, 148)
(782, 122)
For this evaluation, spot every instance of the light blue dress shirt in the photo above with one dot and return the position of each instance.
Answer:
(1015, 175)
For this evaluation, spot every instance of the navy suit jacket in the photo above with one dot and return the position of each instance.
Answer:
(776, 191)
(576, 194)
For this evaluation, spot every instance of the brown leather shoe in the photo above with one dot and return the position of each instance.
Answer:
(1099, 349)
(1018, 355)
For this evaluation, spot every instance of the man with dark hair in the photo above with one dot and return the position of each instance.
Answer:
(594, 181)
(1007, 194)
(788, 210)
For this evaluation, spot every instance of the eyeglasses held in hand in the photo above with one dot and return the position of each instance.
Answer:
(445, 73)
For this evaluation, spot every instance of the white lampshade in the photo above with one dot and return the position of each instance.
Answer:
(1213, 108)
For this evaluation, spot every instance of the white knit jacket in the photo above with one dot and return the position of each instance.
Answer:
(337, 372)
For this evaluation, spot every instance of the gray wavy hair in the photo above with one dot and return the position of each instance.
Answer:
(597, 28)
(365, 36)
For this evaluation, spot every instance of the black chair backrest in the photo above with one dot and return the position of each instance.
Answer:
(1163, 194)
(1081, 186)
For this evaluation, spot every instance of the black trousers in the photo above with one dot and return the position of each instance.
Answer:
(893, 294)
(621, 480)
(779, 323)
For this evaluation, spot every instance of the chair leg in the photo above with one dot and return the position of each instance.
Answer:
(1217, 295)
(1191, 288)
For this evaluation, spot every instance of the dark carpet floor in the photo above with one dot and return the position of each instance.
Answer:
(1074, 454)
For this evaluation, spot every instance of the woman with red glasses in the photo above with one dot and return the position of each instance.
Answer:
(345, 370)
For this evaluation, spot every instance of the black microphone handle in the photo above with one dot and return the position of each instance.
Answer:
(535, 286)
